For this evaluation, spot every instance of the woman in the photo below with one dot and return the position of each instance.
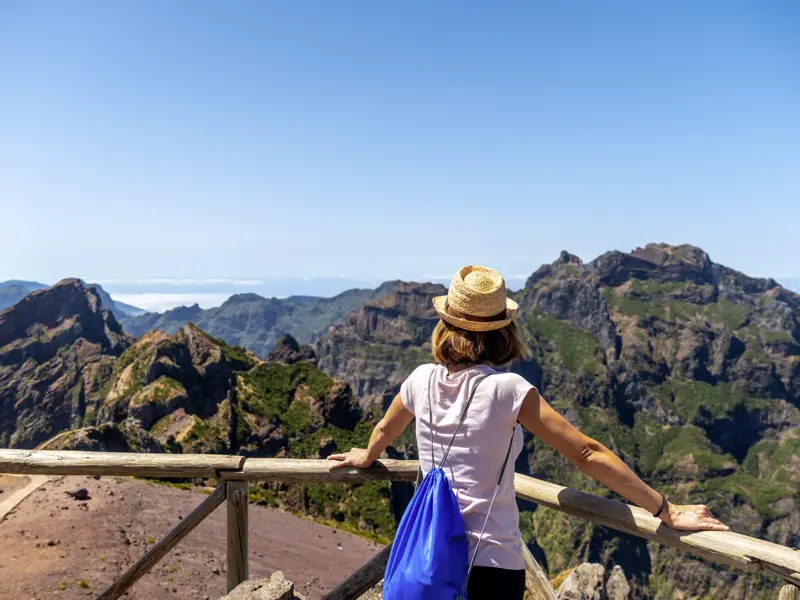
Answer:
(476, 333)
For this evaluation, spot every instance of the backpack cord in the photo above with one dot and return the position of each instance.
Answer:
(444, 458)
(430, 414)
(461, 421)
(486, 520)
(430, 428)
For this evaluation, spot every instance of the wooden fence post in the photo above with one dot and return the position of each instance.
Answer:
(157, 552)
(536, 581)
(364, 579)
(789, 592)
(236, 496)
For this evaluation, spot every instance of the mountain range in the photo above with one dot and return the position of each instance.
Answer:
(256, 322)
(689, 370)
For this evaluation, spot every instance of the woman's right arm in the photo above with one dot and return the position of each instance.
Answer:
(598, 462)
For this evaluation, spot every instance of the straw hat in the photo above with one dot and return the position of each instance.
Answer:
(476, 300)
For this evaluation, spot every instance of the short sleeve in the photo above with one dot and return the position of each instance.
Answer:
(415, 384)
(519, 387)
(407, 394)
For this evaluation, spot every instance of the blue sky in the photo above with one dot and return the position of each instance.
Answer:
(257, 140)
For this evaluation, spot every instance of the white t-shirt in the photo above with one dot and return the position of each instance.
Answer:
(474, 462)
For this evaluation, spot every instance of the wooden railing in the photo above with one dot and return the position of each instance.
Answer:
(729, 548)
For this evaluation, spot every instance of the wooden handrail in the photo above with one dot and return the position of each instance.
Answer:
(730, 548)
(293, 470)
(72, 462)
(726, 547)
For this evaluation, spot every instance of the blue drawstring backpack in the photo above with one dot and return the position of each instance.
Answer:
(429, 558)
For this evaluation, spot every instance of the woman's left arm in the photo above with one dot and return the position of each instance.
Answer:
(386, 431)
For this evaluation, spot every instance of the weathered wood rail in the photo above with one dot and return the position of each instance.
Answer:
(729, 548)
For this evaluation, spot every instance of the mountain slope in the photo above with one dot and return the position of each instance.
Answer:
(70, 378)
(378, 345)
(687, 369)
(56, 347)
(255, 322)
(690, 371)
(192, 393)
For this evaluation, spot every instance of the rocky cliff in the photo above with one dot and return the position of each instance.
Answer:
(57, 347)
(690, 371)
(378, 345)
(686, 368)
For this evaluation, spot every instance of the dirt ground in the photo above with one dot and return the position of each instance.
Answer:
(54, 546)
(10, 484)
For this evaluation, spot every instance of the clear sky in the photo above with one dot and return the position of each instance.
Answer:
(376, 140)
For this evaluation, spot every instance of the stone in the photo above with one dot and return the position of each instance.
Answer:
(375, 593)
(584, 583)
(81, 494)
(617, 586)
(276, 587)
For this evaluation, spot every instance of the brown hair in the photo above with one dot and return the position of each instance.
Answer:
(452, 345)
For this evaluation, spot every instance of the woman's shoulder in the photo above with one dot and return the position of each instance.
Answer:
(423, 370)
(421, 373)
(509, 380)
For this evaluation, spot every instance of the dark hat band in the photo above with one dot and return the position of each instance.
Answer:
(501, 316)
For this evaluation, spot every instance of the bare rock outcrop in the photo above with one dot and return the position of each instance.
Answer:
(588, 581)
(617, 586)
(288, 350)
(276, 587)
(584, 583)
(57, 348)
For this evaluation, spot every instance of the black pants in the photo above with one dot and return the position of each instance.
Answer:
(490, 583)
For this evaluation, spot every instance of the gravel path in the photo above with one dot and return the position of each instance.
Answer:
(19, 493)
(54, 546)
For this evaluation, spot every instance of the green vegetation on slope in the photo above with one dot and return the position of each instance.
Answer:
(691, 441)
(577, 347)
(755, 491)
(269, 388)
(235, 354)
(688, 396)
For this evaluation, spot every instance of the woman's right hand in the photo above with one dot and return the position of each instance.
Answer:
(691, 517)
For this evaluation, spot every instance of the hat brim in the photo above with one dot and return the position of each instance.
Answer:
(440, 304)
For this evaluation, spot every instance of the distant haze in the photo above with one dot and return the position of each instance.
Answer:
(158, 295)
(161, 294)
(792, 284)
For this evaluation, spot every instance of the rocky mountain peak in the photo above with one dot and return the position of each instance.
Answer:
(661, 262)
(47, 319)
(288, 350)
(565, 258)
(400, 314)
(665, 255)
(408, 297)
(56, 347)
(237, 299)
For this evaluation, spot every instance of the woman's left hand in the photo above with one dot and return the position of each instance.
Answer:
(691, 517)
(357, 457)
